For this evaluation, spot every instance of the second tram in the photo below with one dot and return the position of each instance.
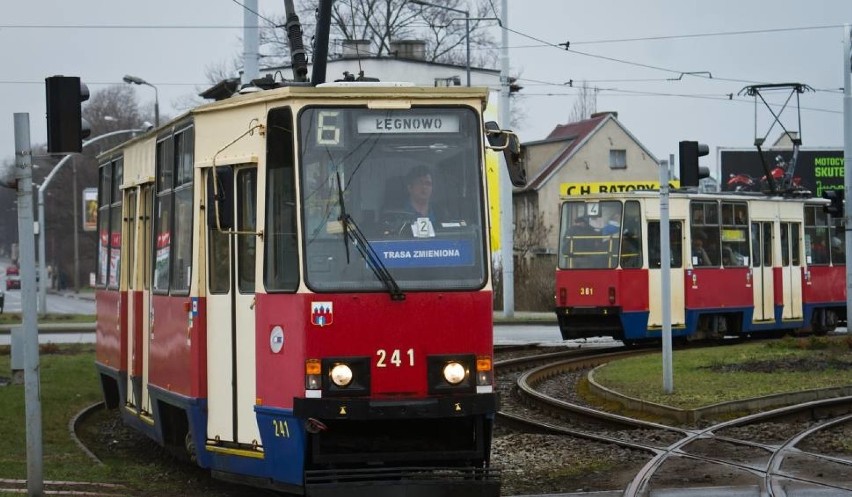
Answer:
(741, 264)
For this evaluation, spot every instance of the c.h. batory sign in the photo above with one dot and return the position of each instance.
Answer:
(571, 189)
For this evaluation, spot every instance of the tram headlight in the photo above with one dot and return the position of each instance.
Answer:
(451, 373)
(341, 375)
(454, 373)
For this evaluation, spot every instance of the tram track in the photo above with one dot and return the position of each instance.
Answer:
(769, 474)
(775, 467)
(65, 488)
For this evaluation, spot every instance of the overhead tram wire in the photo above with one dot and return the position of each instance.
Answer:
(620, 92)
(565, 47)
(707, 35)
(685, 36)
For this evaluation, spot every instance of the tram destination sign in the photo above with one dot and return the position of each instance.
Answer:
(409, 123)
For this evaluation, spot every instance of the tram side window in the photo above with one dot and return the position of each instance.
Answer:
(675, 241)
(631, 238)
(109, 224)
(767, 244)
(838, 241)
(761, 244)
(182, 256)
(734, 234)
(174, 213)
(219, 256)
(705, 227)
(281, 257)
(247, 225)
(790, 244)
(817, 244)
(794, 245)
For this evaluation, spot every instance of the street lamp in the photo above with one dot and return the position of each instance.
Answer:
(139, 81)
(42, 283)
(466, 27)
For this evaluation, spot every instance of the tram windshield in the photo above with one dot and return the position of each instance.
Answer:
(409, 181)
(600, 235)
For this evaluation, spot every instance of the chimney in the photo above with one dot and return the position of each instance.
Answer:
(604, 113)
(352, 49)
(408, 49)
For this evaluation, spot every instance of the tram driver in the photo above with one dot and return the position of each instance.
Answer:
(699, 253)
(417, 211)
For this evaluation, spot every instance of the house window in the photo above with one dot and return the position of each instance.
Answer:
(617, 159)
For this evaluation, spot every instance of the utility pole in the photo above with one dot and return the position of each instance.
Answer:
(665, 278)
(847, 156)
(26, 249)
(507, 242)
(76, 230)
(250, 42)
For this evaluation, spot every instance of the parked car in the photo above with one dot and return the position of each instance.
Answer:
(13, 277)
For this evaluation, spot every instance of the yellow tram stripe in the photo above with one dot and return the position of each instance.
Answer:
(235, 452)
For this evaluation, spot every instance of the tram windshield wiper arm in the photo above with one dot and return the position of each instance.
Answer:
(352, 232)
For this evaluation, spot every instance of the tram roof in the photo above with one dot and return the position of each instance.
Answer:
(343, 91)
(387, 90)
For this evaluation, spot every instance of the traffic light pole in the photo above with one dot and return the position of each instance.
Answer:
(42, 284)
(29, 325)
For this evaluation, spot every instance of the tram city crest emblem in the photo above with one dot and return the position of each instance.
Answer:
(321, 313)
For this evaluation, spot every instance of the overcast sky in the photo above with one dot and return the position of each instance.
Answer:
(172, 43)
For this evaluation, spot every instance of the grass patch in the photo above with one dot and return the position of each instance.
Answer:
(68, 384)
(711, 375)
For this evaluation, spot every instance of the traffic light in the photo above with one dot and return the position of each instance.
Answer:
(835, 208)
(690, 172)
(65, 128)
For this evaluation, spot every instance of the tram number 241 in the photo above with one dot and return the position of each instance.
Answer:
(395, 357)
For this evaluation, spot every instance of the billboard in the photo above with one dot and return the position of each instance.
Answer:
(90, 209)
(816, 170)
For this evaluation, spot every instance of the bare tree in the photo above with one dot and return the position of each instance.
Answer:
(113, 108)
(585, 105)
(531, 234)
(384, 21)
(534, 279)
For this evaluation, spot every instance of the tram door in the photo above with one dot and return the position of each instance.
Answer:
(791, 270)
(761, 272)
(678, 298)
(138, 214)
(230, 311)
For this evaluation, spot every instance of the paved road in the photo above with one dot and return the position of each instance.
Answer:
(544, 334)
(67, 303)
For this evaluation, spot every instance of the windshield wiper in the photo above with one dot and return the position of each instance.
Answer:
(352, 232)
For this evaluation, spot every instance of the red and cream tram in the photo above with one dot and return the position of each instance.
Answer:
(268, 302)
(740, 265)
